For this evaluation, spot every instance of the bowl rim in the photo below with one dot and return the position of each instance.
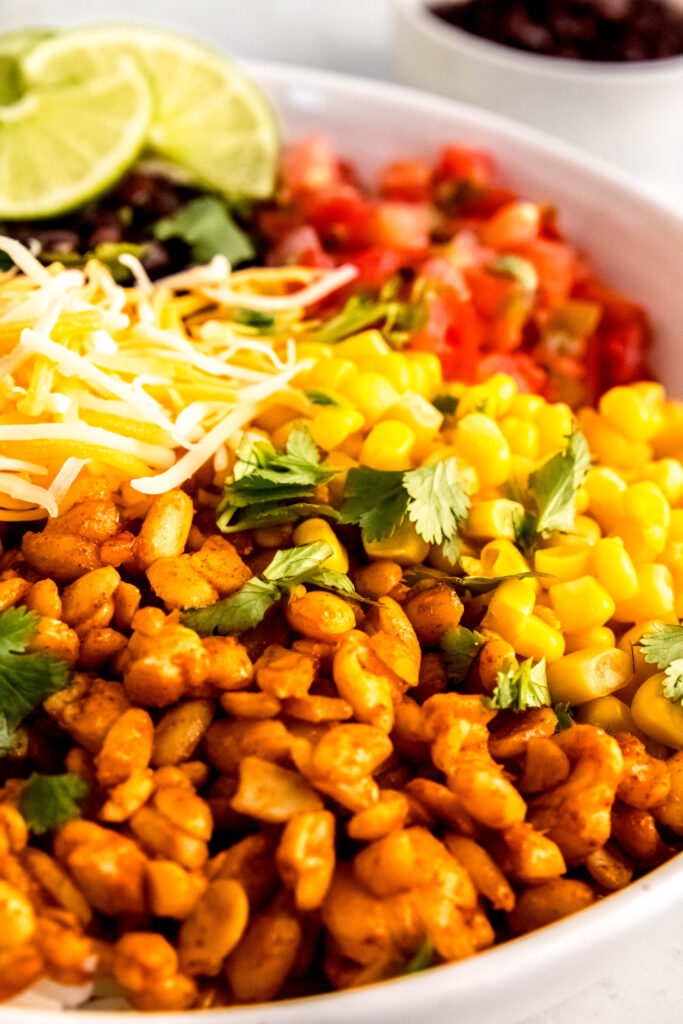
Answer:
(609, 923)
(420, 15)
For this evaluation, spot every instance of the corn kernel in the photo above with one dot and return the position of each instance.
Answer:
(330, 427)
(329, 373)
(564, 562)
(669, 438)
(644, 542)
(503, 388)
(608, 713)
(581, 604)
(280, 436)
(605, 489)
(656, 715)
(614, 568)
(587, 528)
(362, 346)
(430, 372)
(655, 596)
(555, 423)
(272, 419)
(438, 559)
(502, 558)
(642, 669)
(421, 416)
(609, 445)
(337, 484)
(526, 406)
(597, 636)
(520, 468)
(312, 530)
(537, 639)
(313, 350)
(497, 518)
(389, 445)
(509, 608)
(471, 566)
(675, 532)
(371, 393)
(581, 500)
(521, 435)
(405, 546)
(637, 414)
(584, 675)
(668, 475)
(646, 502)
(396, 368)
(481, 442)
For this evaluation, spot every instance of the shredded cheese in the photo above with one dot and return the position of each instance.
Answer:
(138, 377)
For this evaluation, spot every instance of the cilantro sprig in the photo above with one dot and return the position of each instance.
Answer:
(247, 606)
(206, 226)
(432, 497)
(268, 486)
(460, 647)
(467, 586)
(662, 645)
(519, 687)
(26, 679)
(47, 802)
(396, 319)
(551, 492)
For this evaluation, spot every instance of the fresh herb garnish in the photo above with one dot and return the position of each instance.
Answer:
(446, 404)
(253, 318)
(421, 960)
(519, 687)
(107, 253)
(565, 719)
(552, 489)
(321, 398)
(466, 586)
(26, 680)
(396, 319)
(47, 802)
(268, 486)
(288, 569)
(460, 647)
(432, 497)
(662, 645)
(206, 226)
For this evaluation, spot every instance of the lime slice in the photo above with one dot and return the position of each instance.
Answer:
(13, 46)
(62, 145)
(207, 116)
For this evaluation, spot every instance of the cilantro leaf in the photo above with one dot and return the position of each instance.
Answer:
(396, 319)
(321, 398)
(467, 586)
(438, 500)
(662, 645)
(206, 226)
(422, 959)
(48, 801)
(26, 680)
(565, 719)
(269, 513)
(264, 480)
(553, 488)
(253, 318)
(247, 606)
(432, 497)
(460, 647)
(242, 610)
(520, 687)
(446, 404)
(375, 500)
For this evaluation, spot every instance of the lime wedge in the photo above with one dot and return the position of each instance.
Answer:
(62, 145)
(13, 46)
(207, 115)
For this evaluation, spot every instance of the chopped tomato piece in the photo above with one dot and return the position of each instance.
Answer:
(458, 163)
(309, 165)
(400, 225)
(406, 180)
(555, 264)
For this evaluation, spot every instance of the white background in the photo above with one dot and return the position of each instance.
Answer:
(355, 36)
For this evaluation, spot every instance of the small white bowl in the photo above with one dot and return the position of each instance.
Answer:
(629, 113)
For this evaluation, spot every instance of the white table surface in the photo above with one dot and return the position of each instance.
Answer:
(355, 36)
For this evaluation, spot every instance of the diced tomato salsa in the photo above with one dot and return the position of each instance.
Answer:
(498, 287)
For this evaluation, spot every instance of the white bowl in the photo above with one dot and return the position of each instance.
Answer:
(629, 113)
(639, 248)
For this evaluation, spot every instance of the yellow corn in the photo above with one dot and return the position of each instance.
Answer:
(537, 639)
(420, 415)
(389, 445)
(330, 426)
(509, 609)
(564, 562)
(405, 546)
(645, 502)
(555, 423)
(668, 475)
(363, 346)
(312, 530)
(597, 636)
(584, 675)
(654, 598)
(471, 566)
(481, 442)
(656, 715)
(395, 367)
(614, 568)
(371, 393)
(609, 444)
(526, 406)
(669, 438)
(521, 435)
(636, 412)
(502, 558)
(326, 373)
(643, 541)
(280, 436)
(337, 484)
(493, 519)
(581, 603)
(429, 377)
(605, 489)
(608, 713)
(675, 531)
